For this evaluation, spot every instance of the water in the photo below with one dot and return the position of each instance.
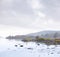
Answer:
(29, 49)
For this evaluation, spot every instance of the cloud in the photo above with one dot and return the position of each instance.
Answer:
(20, 6)
(16, 12)
(48, 15)
(33, 14)
(52, 9)
(36, 6)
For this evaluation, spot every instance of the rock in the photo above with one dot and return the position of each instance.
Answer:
(8, 48)
(58, 53)
(21, 45)
(38, 44)
(52, 53)
(30, 48)
(16, 45)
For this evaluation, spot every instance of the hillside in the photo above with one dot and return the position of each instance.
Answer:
(42, 34)
(47, 34)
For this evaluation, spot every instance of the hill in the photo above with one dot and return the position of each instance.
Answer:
(42, 34)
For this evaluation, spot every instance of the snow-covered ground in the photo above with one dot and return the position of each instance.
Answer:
(29, 49)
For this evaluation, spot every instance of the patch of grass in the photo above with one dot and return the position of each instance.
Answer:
(27, 39)
(48, 41)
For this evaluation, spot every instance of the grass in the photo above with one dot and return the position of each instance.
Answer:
(47, 41)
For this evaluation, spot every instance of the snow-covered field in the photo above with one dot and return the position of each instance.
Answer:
(29, 49)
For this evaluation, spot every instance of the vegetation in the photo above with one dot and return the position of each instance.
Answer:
(48, 41)
(27, 39)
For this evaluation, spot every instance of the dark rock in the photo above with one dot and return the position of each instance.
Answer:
(52, 53)
(30, 48)
(38, 44)
(16, 45)
(21, 45)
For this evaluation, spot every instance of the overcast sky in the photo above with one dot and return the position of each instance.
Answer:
(29, 15)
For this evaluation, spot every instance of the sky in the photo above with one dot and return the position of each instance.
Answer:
(28, 16)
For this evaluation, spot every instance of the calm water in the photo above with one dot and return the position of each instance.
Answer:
(12, 48)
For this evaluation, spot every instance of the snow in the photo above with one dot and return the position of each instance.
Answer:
(29, 49)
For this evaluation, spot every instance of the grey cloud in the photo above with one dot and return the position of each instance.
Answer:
(16, 12)
(22, 21)
(52, 8)
(20, 6)
(20, 13)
